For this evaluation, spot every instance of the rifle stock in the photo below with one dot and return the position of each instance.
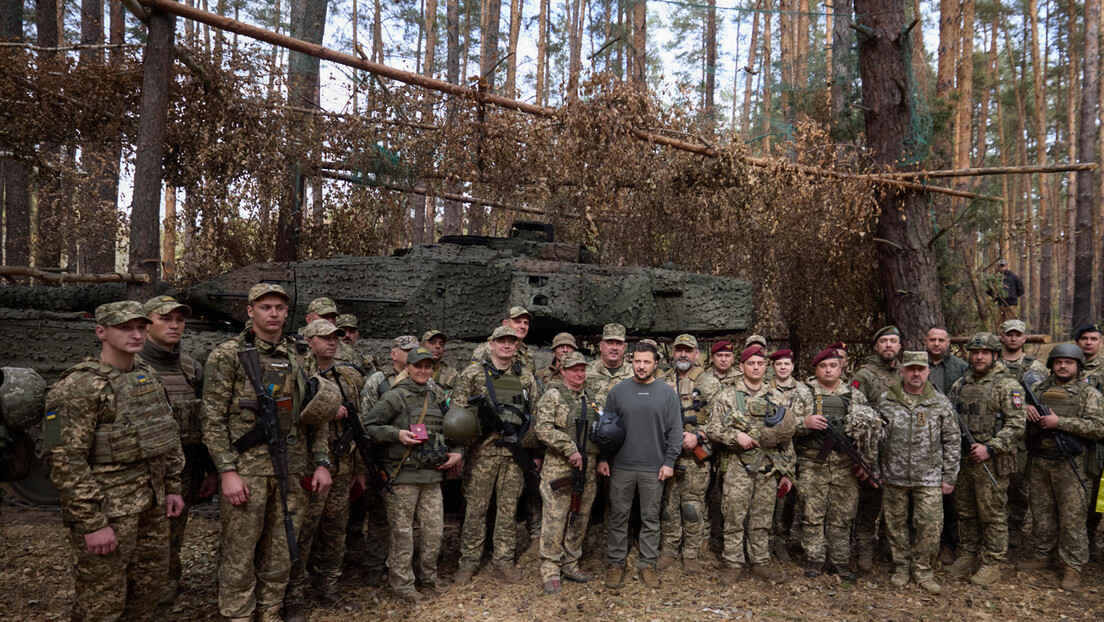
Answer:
(355, 434)
(834, 438)
(510, 439)
(1067, 446)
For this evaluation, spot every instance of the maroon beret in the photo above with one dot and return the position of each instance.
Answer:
(839, 345)
(826, 353)
(721, 346)
(782, 354)
(752, 350)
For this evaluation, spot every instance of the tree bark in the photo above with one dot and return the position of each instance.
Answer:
(157, 67)
(14, 177)
(843, 61)
(1045, 206)
(950, 37)
(453, 209)
(542, 52)
(1087, 136)
(516, 8)
(168, 247)
(488, 43)
(753, 48)
(572, 9)
(640, 44)
(910, 284)
(710, 61)
(48, 207)
(765, 77)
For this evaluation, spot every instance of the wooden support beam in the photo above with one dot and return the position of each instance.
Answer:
(989, 170)
(64, 277)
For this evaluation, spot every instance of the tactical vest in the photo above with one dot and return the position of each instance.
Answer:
(831, 407)
(279, 378)
(141, 427)
(426, 455)
(1062, 401)
(982, 421)
(510, 394)
(688, 392)
(580, 407)
(185, 404)
(1018, 368)
(885, 378)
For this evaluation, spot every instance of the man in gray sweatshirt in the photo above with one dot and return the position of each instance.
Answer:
(652, 418)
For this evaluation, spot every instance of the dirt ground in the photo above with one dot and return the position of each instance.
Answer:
(36, 584)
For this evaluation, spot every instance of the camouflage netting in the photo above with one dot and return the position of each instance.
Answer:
(234, 148)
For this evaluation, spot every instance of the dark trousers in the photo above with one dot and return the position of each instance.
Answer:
(624, 485)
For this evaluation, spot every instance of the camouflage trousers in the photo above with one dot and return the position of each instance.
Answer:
(372, 550)
(561, 540)
(424, 503)
(321, 538)
(682, 515)
(982, 519)
(927, 520)
(533, 500)
(195, 470)
(1058, 510)
(498, 475)
(253, 554)
(866, 519)
(750, 497)
(828, 498)
(127, 583)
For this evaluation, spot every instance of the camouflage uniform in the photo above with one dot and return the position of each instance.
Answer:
(446, 376)
(561, 543)
(1094, 452)
(416, 480)
(683, 515)
(253, 553)
(782, 523)
(992, 409)
(491, 468)
(114, 452)
(369, 505)
(526, 354)
(920, 451)
(751, 479)
(1017, 482)
(873, 378)
(600, 379)
(1058, 502)
(182, 377)
(827, 491)
(321, 535)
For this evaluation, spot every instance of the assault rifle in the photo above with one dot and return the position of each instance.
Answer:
(835, 438)
(266, 431)
(702, 451)
(1068, 446)
(355, 434)
(490, 418)
(577, 479)
(970, 441)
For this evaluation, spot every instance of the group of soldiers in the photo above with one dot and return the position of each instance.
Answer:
(306, 443)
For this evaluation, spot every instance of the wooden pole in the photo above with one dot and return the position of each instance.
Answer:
(63, 277)
(990, 170)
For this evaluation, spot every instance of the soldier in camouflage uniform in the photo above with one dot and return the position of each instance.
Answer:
(562, 343)
(114, 452)
(610, 367)
(182, 377)
(365, 362)
(990, 404)
(417, 468)
(321, 536)
(721, 360)
(444, 375)
(683, 514)
(944, 369)
(518, 319)
(873, 378)
(782, 362)
(253, 552)
(559, 409)
(491, 467)
(325, 309)
(828, 488)
(744, 419)
(1058, 501)
(920, 453)
(1089, 339)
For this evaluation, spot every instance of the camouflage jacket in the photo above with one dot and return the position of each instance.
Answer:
(446, 376)
(1004, 399)
(1094, 372)
(1085, 419)
(861, 420)
(788, 391)
(183, 379)
(874, 377)
(1023, 365)
(472, 381)
(600, 379)
(90, 494)
(525, 353)
(729, 379)
(921, 443)
(557, 410)
(370, 392)
(224, 420)
(350, 382)
(396, 410)
(696, 386)
(735, 410)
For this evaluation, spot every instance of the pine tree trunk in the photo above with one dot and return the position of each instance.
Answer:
(488, 44)
(710, 61)
(753, 48)
(572, 10)
(640, 44)
(49, 210)
(14, 176)
(843, 61)
(950, 38)
(1073, 95)
(168, 247)
(542, 51)
(1087, 137)
(765, 78)
(516, 10)
(453, 209)
(1045, 205)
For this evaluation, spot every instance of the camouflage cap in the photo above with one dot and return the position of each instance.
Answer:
(321, 328)
(651, 342)
(518, 311)
(121, 312)
(912, 358)
(405, 342)
(886, 330)
(571, 359)
(347, 320)
(165, 305)
(564, 339)
(613, 332)
(264, 289)
(503, 331)
(322, 306)
(418, 355)
(1010, 325)
(433, 332)
(759, 339)
(686, 340)
(984, 341)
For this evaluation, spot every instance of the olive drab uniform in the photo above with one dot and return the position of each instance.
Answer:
(1058, 503)
(114, 451)
(254, 563)
(992, 408)
(182, 377)
(1017, 481)
(873, 378)
(920, 451)
(491, 468)
(416, 479)
(751, 477)
(561, 540)
(321, 535)
(683, 516)
(827, 491)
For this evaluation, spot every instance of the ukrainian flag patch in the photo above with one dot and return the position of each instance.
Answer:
(50, 416)
(142, 379)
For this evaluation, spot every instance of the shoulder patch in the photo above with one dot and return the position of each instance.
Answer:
(855, 384)
(1017, 398)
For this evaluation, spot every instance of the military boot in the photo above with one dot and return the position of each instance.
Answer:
(987, 575)
(900, 577)
(866, 562)
(648, 576)
(295, 612)
(413, 597)
(1035, 563)
(615, 577)
(780, 551)
(767, 573)
(813, 569)
(930, 586)
(463, 576)
(962, 566)
(331, 600)
(946, 555)
(1071, 580)
(731, 576)
(690, 566)
(509, 574)
(577, 575)
(666, 561)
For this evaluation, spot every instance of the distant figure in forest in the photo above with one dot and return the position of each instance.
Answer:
(1007, 294)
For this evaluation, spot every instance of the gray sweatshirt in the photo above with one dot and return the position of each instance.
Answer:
(652, 417)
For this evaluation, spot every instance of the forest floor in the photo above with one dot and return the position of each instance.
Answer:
(36, 584)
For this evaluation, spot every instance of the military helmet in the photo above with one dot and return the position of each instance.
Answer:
(609, 432)
(324, 401)
(460, 425)
(984, 341)
(22, 397)
(1066, 351)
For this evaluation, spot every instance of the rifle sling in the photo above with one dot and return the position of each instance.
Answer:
(410, 448)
